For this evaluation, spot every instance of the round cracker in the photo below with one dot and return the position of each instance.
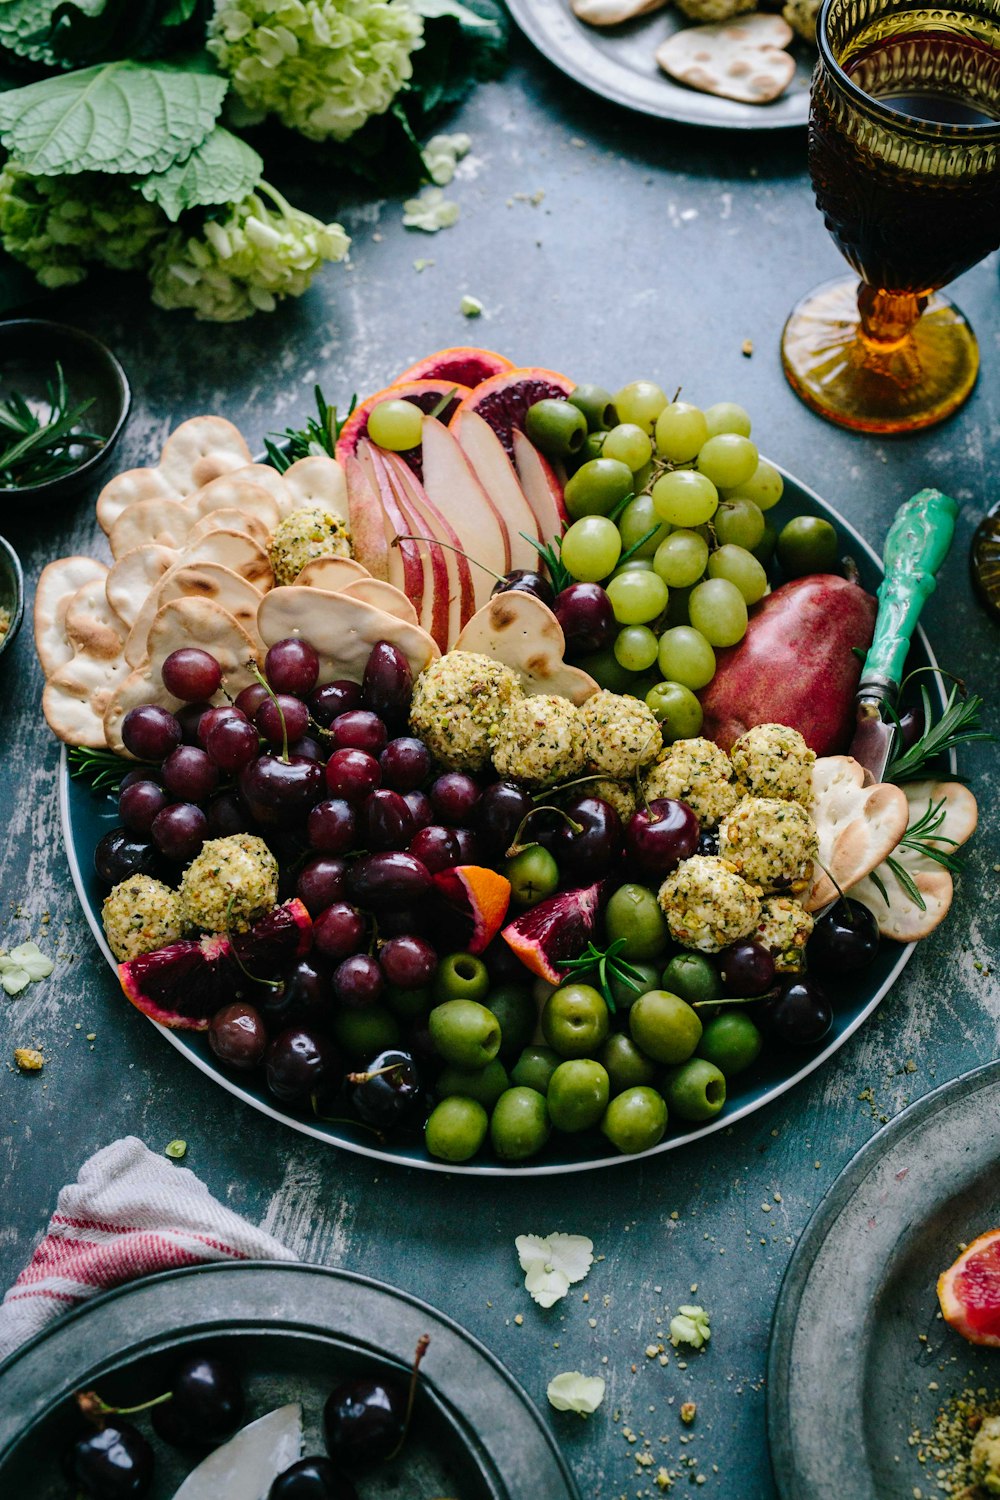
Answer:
(317, 480)
(92, 627)
(128, 488)
(57, 584)
(232, 492)
(75, 698)
(331, 573)
(228, 519)
(161, 521)
(130, 580)
(857, 825)
(341, 629)
(382, 595)
(199, 450)
(195, 581)
(523, 633)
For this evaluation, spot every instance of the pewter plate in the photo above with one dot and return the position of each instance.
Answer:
(848, 1375)
(294, 1332)
(618, 63)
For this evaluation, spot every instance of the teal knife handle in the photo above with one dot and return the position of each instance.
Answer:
(916, 546)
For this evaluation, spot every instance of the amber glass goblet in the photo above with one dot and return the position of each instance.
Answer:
(904, 154)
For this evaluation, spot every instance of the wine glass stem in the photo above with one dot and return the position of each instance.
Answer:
(888, 318)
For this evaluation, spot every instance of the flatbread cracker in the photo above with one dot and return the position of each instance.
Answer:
(204, 580)
(857, 826)
(227, 519)
(317, 480)
(162, 521)
(75, 698)
(92, 627)
(613, 12)
(742, 59)
(199, 450)
(523, 633)
(57, 584)
(130, 580)
(341, 629)
(128, 488)
(331, 573)
(383, 596)
(233, 492)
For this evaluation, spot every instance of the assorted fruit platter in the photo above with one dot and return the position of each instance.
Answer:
(480, 786)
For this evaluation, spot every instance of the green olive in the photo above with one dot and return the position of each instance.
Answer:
(731, 1041)
(597, 487)
(635, 1120)
(597, 406)
(807, 544)
(456, 1129)
(484, 1084)
(626, 1066)
(558, 428)
(578, 1094)
(533, 875)
(695, 1091)
(534, 1068)
(465, 1033)
(664, 1027)
(693, 976)
(460, 976)
(363, 1033)
(520, 1124)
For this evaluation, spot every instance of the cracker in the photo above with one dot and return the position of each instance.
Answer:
(331, 573)
(523, 633)
(205, 580)
(162, 521)
(227, 519)
(128, 488)
(233, 492)
(233, 550)
(57, 584)
(317, 480)
(92, 627)
(130, 580)
(613, 12)
(742, 59)
(199, 450)
(76, 696)
(857, 825)
(382, 595)
(342, 630)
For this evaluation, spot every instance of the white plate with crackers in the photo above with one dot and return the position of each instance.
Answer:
(627, 61)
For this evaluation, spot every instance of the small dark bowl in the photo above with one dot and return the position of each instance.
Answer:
(29, 350)
(11, 591)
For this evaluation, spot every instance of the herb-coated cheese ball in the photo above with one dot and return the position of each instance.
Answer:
(801, 16)
(984, 1458)
(696, 772)
(784, 929)
(230, 884)
(540, 741)
(617, 794)
(773, 844)
(773, 760)
(458, 705)
(140, 915)
(620, 734)
(304, 536)
(708, 904)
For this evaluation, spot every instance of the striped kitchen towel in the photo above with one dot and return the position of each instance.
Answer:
(129, 1213)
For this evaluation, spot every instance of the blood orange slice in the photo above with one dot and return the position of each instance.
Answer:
(503, 401)
(426, 394)
(556, 929)
(480, 894)
(460, 366)
(969, 1291)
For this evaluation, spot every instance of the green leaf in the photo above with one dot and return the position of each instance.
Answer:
(26, 26)
(223, 169)
(907, 882)
(116, 117)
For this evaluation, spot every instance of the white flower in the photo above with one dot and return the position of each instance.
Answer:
(22, 966)
(690, 1326)
(430, 212)
(552, 1264)
(572, 1391)
(442, 154)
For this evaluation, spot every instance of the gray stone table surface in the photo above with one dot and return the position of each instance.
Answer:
(655, 250)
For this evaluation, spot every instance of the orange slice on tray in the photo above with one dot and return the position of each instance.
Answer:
(969, 1291)
(480, 894)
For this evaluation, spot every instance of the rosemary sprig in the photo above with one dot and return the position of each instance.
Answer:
(609, 965)
(318, 436)
(959, 724)
(102, 768)
(922, 837)
(551, 555)
(41, 448)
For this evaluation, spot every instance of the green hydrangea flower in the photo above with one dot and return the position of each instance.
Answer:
(246, 262)
(323, 67)
(59, 226)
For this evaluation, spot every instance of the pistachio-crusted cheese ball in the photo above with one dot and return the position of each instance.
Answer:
(698, 773)
(984, 1459)
(801, 16)
(304, 536)
(617, 794)
(458, 705)
(540, 741)
(230, 884)
(620, 734)
(708, 904)
(784, 929)
(140, 915)
(773, 760)
(771, 843)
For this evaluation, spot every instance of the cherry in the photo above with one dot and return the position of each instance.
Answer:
(389, 823)
(358, 982)
(190, 774)
(191, 674)
(800, 1016)
(454, 797)
(205, 1406)
(115, 1462)
(189, 717)
(250, 699)
(292, 666)
(339, 931)
(333, 699)
(597, 845)
(226, 814)
(845, 937)
(238, 1037)
(352, 774)
(525, 581)
(282, 718)
(299, 1063)
(658, 839)
(306, 995)
(405, 763)
(179, 831)
(364, 1421)
(387, 685)
(408, 961)
(421, 808)
(312, 1479)
(279, 791)
(138, 804)
(331, 826)
(388, 1092)
(211, 716)
(150, 732)
(388, 881)
(232, 743)
(588, 621)
(359, 729)
(320, 883)
(747, 969)
(500, 812)
(437, 847)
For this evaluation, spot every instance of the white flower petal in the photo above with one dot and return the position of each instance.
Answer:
(531, 1250)
(545, 1285)
(573, 1254)
(572, 1391)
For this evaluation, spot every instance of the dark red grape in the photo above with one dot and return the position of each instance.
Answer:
(746, 969)
(277, 791)
(588, 621)
(352, 774)
(191, 674)
(420, 807)
(309, 748)
(312, 1479)
(179, 831)
(408, 961)
(232, 743)
(332, 825)
(292, 666)
(190, 773)
(801, 1015)
(282, 716)
(190, 717)
(387, 685)
(212, 716)
(405, 763)
(388, 881)
(119, 855)
(139, 803)
(658, 839)
(150, 732)
(437, 847)
(359, 729)
(597, 846)
(299, 1063)
(358, 982)
(388, 1092)
(525, 581)
(364, 1420)
(238, 1037)
(227, 815)
(250, 699)
(141, 773)
(320, 883)
(845, 938)
(388, 821)
(454, 797)
(205, 1406)
(339, 931)
(115, 1462)
(334, 698)
(500, 812)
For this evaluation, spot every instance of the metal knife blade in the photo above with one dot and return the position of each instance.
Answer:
(873, 739)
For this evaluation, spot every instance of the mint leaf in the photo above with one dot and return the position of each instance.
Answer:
(223, 169)
(116, 117)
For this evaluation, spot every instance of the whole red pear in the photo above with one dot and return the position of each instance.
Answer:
(796, 665)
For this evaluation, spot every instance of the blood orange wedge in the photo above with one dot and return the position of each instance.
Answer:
(461, 366)
(554, 930)
(503, 401)
(480, 894)
(426, 394)
(969, 1291)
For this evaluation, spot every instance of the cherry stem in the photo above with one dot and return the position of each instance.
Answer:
(518, 848)
(95, 1409)
(376, 1073)
(432, 541)
(741, 1000)
(256, 672)
(422, 1343)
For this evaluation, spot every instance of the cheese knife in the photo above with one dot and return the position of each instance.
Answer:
(916, 546)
